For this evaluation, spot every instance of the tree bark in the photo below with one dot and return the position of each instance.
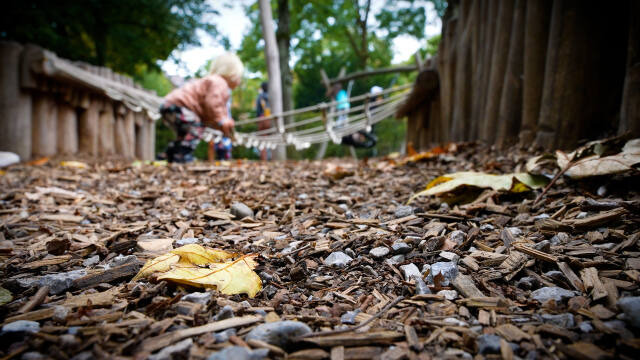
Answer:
(480, 95)
(446, 68)
(630, 108)
(283, 36)
(498, 69)
(509, 118)
(538, 15)
(464, 73)
(273, 68)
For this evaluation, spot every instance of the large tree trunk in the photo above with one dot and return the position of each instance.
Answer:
(273, 68)
(630, 108)
(498, 68)
(538, 15)
(283, 36)
(509, 117)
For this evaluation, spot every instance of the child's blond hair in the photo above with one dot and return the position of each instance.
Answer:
(229, 66)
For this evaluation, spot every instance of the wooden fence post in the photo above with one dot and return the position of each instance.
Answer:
(15, 105)
(67, 129)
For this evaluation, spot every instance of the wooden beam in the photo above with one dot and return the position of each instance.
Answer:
(366, 73)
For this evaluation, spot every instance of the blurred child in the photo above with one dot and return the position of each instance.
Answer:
(201, 102)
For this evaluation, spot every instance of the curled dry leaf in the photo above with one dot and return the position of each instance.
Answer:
(200, 266)
(200, 255)
(160, 264)
(515, 182)
(235, 277)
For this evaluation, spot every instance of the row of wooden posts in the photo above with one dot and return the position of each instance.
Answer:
(547, 73)
(50, 107)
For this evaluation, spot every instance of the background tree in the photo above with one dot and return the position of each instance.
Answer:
(113, 33)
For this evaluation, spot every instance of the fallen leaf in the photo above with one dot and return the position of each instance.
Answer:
(186, 265)
(74, 164)
(515, 182)
(199, 255)
(595, 165)
(236, 277)
(5, 296)
(160, 264)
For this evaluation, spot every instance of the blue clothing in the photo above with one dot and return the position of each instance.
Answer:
(343, 100)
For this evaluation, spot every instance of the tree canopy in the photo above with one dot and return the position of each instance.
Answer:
(114, 33)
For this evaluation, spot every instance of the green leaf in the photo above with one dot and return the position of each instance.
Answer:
(5, 296)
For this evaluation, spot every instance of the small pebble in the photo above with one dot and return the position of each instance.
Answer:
(559, 238)
(241, 211)
(379, 252)
(488, 344)
(400, 247)
(173, 351)
(448, 294)
(486, 227)
(409, 271)
(91, 261)
(631, 308)
(585, 327)
(184, 213)
(21, 326)
(547, 293)
(349, 318)
(223, 336)
(338, 258)
(60, 313)
(186, 241)
(457, 236)
(395, 260)
(448, 269)
(239, 353)
(563, 320)
(453, 257)
(421, 286)
(278, 333)
(403, 211)
(225, 313)
(198, 297)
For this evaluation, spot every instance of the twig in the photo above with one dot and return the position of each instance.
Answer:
(35, 300)
(553, 181)
(340, 331)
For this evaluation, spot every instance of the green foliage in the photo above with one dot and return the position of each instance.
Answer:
(152, 80)
(114, 33)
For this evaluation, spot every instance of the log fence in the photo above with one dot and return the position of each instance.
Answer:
(50, 106)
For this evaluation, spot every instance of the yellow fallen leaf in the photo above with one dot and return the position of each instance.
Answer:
(236, 277)
(447, 184)
(199, 255)
(160, 264)
(186, 265)
(74, 164)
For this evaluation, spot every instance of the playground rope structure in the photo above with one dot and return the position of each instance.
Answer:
(318, 128)
(322, 127)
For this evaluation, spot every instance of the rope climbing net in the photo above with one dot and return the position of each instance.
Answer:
(322, 126)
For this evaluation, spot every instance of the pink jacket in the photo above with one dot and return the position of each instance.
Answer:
(206, 97)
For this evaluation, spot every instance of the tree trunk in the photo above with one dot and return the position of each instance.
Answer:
(630, 108)
(498, 69)
(538, 15)
(283, 36)
(480, 95)
(273, 68)
(446, 68)
(464, 73)
(509, 118)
